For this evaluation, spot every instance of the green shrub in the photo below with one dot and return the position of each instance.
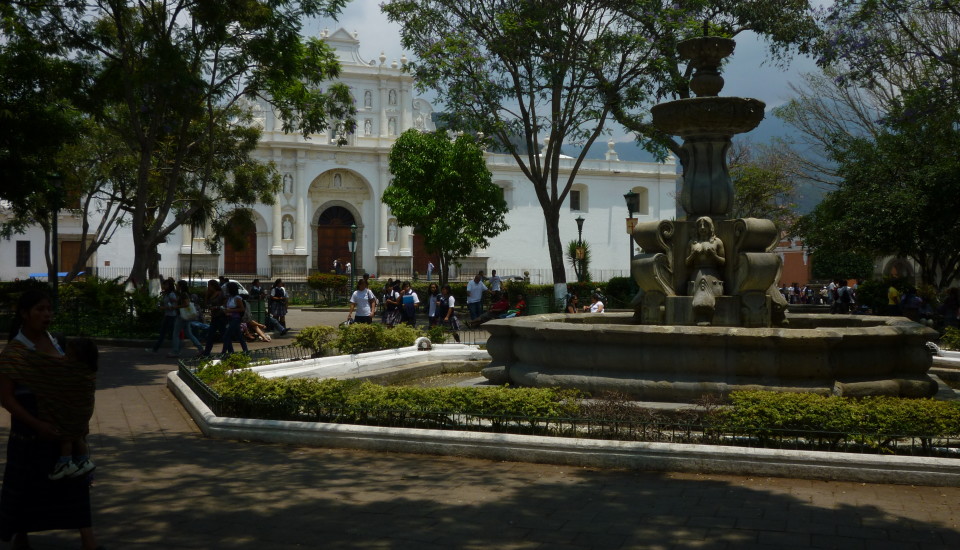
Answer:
(248, 392)
(875, 419)
(621, 290)
(950, 338)
(328, 284)
(327, 281)
(437, 334)
(320, 339)
(362, 337)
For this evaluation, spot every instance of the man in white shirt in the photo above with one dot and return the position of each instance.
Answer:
(475, 290)
(430, 267)
(494, 281)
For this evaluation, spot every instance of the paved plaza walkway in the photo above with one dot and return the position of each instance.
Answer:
(161, 484)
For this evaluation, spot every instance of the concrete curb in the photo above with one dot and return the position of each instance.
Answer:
(665, 457)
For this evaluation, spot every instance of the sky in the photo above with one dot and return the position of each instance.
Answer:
(747, 73)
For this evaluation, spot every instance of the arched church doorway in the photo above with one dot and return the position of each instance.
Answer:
(333, 236)
(421, 258)
(240, 250)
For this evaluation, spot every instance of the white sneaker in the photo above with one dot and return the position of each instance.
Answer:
(83, 468)
(62, 470)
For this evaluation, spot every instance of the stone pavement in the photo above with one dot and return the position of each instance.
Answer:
(161, 484)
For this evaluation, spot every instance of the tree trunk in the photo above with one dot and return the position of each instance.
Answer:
(555, 247)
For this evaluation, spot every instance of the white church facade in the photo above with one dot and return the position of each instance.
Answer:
(334, 181)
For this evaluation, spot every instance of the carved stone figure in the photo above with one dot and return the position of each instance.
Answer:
(392, 127)
(287, 228)
(705, 257)
(368, 127)
(288, 183)
(337, 181)
(392, 97)
(368, 99)
(392, 230)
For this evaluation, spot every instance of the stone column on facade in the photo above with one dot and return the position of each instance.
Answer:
(384, 85)
(300, 190)
(406, 107)
(300, 228)
(406, 241)
(185, 231)
(381, 232)
(277, 229)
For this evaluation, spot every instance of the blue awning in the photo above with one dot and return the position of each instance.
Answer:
(59, 274)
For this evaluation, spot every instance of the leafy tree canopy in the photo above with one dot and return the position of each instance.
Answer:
(899, 193)
(553, 72)
(174, 82)
(445, 191)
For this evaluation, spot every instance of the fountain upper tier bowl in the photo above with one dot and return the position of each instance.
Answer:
(698, 116)
(850, 355)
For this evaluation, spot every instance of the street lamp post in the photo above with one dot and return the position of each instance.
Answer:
(581, 253)
(353, 253)
(633, 205)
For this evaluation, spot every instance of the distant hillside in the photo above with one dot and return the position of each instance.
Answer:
(771, 127)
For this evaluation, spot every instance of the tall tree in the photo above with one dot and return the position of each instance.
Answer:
(520, 69)
(898, 195)
(171, 79)
(444, 189)
(553, 71)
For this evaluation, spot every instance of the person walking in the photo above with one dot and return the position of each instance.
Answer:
(233, 307)
(475, 291)
(408, 304)
(446, 312)
(29, 500)
(170, 306)
(364, 302)
(183, 319)
(278, 302)
(433, 297)
(218, 319)
(495, 282)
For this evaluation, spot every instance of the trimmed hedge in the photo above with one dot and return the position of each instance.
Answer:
(766, 418)
(875, 421)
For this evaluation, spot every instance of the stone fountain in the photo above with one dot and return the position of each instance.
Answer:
(708, 317)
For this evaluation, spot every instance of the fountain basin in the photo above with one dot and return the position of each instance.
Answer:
(699, 116)
(847, 355)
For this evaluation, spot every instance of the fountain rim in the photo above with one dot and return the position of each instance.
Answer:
(623, 324)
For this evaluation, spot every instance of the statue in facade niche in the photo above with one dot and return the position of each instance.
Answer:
(368, 99)
(392, 231)
(705, 257)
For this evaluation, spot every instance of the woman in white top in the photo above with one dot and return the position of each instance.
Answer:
(596, 306)
(363, 302)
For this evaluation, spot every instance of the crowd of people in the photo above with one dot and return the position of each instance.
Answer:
(223, 315)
